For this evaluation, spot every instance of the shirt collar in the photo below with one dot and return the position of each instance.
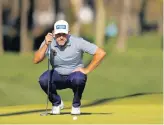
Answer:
(67, 44)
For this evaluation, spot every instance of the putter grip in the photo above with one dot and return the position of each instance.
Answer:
(48, 42)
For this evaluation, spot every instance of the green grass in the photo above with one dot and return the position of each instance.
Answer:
(143, 109)
(139, 70)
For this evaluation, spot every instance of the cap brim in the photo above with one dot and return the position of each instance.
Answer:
(61, 31)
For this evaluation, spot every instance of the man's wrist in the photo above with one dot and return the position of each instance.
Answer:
(46, 43)
(86, 71)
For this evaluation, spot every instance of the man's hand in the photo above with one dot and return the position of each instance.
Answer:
(83, 70)
(48, 38)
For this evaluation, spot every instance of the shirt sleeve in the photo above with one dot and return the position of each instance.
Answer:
(88, 47)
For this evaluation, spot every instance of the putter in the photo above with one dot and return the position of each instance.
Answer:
(49, 75)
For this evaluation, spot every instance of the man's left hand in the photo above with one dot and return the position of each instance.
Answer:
(83, 70)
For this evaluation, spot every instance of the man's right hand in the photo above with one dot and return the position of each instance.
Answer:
(48, 38)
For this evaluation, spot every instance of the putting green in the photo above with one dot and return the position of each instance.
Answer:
(142, 109)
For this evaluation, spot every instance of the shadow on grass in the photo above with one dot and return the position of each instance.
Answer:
(104, 100)
(83, 113)
(38, 111)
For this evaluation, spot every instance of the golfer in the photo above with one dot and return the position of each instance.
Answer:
(68, 68)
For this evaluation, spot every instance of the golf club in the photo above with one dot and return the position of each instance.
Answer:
(49, 75)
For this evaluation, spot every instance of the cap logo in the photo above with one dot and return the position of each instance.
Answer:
(61, 27)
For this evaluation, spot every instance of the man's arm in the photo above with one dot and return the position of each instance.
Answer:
(40, 54)
(97, 58)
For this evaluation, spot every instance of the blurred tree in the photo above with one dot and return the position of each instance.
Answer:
(59, 6)
(1, 29)
(43, 16)
(160, 21)
(100, 22)
(76, 5)
(134, 22)
(30, 15)
(123, 29)
(26, 44)
(14, 11)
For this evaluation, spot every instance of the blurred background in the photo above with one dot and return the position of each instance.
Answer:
(130, 31)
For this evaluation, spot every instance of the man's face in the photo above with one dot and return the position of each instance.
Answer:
(61, 38)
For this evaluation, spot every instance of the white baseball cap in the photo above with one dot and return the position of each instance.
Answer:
(61, 26)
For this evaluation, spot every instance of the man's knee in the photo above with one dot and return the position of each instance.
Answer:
(51, 75)
(43, 80)
(79, 79)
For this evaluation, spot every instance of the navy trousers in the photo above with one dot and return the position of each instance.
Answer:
(75, 81)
